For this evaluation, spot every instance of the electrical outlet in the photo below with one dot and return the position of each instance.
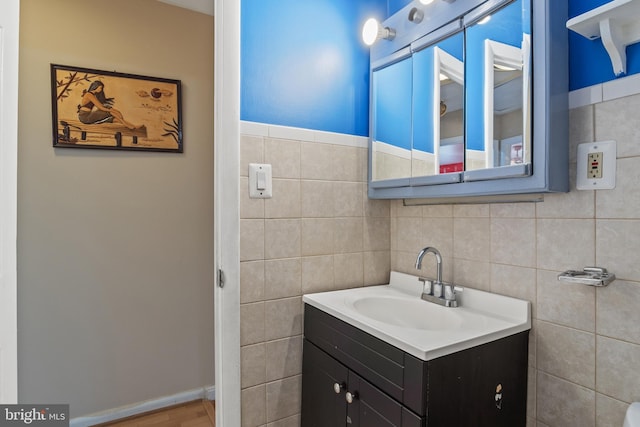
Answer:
(594, 165)
(596, 169)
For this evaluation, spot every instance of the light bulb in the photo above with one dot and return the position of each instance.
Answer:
(373, 31)
(426, 1)
(370, 31)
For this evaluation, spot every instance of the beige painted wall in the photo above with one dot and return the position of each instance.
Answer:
(115, 248)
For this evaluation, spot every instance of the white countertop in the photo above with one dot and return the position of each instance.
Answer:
(482, 317)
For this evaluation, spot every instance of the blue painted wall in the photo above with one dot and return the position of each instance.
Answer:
(303, 63)
(589, 62)
(396, 5)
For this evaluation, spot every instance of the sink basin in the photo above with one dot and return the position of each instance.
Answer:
(409, 313)
(396, 314)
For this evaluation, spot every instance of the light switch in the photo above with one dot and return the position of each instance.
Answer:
(260, 186)
(262, 180)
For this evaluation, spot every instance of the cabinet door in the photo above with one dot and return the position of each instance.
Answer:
(371, 407)
(321, 405)
(483, 387)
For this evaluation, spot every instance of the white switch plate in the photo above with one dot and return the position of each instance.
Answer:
(260, 182)
(606, 150)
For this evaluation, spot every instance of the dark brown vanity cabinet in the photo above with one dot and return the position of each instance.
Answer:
(481, 386)
(326, 383)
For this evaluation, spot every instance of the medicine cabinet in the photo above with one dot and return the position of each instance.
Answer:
(470, 100)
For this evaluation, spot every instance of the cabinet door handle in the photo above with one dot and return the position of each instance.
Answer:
(350, 397)
(338, 387)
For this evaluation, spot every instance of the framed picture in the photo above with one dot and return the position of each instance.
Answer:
(109, 110)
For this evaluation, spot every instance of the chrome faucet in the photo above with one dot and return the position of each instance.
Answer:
(436, 252)
(438, 292)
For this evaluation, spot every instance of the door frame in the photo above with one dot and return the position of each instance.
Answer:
(9, 48)
(226, 199)
(227, 212)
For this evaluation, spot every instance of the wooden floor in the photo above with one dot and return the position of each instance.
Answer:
(199, 413)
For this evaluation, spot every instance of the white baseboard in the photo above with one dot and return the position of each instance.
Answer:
(142, 407)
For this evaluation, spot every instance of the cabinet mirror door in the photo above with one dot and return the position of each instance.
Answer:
(438, 108)
(498, 120)
(391, 121)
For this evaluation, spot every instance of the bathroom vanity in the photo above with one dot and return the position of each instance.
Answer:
(464, 366)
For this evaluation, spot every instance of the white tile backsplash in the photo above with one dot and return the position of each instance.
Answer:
(618, 311)
(284, 157)
(618, 369)
(618, 120)
(585, 343)
(567, 304)
(618, 247)
(319, 232)
(567, 353)
(510, 233)
(472, 238)
(561, 403)
(565, 243)
(624, 200)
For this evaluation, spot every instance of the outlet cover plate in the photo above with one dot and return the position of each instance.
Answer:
(608, 166)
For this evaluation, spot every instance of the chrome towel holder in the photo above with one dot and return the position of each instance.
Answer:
(591, 276)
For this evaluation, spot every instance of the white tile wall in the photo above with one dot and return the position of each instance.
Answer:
(585, 345)
(320, 232)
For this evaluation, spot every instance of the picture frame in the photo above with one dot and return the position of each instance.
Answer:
(117, 111)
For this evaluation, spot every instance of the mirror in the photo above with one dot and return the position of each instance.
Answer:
(438, 108)
(498, 124)
(391, 121)
(457, 105)
(468, 126)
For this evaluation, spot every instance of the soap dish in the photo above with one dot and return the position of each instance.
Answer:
(591, 276)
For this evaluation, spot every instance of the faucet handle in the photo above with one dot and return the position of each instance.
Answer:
(427, 285)
(438, 288)
(450, 291)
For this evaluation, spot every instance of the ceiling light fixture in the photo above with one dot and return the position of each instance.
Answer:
(373, 31)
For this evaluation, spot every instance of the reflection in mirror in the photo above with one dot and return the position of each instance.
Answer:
(391, 121)
(451, 77)
(505, 121)
(501, 134)
(438, 134)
